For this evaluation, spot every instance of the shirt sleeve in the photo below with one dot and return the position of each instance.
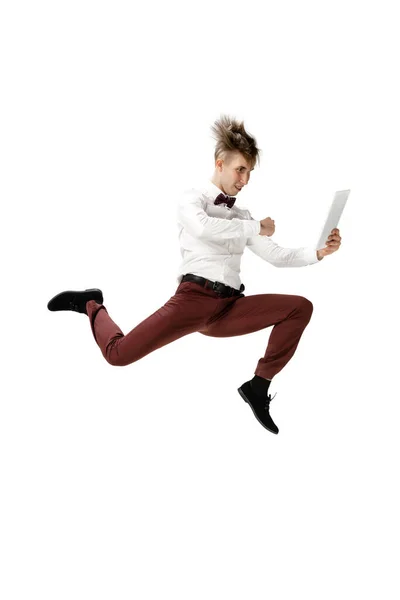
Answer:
(278, 256)
(192, 216)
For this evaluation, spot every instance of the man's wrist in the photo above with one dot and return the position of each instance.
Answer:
(319, 255)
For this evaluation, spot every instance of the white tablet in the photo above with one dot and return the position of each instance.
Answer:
(334, 214)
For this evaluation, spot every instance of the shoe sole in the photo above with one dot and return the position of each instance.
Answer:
(254, 412)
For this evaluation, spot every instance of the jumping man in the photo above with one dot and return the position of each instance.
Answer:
(209, 299)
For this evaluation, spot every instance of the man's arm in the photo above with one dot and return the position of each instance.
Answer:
(278, 256)
(265, 248)
(192, 216)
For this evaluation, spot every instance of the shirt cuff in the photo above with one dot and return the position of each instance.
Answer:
(310, 255)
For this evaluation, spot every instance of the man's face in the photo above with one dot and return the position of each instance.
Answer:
(234, 174)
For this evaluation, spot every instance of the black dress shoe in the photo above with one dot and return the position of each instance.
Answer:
(75, 300)
(259, 406)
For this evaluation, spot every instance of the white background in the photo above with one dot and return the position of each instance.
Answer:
(155, 480)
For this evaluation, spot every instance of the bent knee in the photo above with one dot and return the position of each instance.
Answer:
(114, 357)
(305, 305)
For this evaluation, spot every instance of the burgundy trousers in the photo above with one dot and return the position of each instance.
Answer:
(195, 309)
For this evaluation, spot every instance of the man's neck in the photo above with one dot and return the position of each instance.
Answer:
(219, 186)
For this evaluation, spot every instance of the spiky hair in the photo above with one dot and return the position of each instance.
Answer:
(231, 136)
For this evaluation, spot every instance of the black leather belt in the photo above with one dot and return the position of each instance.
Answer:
(223, 290)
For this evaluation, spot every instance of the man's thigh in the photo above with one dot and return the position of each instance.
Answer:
(252, 313)
(184, 313)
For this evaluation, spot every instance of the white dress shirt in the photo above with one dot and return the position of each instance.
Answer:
(213, 238)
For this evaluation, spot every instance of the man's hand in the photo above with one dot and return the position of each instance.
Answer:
(267, 226)
(332, 244)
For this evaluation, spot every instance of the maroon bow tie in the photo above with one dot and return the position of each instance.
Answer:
(222, 199)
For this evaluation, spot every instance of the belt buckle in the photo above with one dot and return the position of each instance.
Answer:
(215, 286)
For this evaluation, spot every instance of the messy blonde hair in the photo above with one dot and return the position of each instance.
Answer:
(231, 137)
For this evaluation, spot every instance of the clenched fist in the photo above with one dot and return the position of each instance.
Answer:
(267, 226)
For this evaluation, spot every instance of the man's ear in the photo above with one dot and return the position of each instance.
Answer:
(218, 164)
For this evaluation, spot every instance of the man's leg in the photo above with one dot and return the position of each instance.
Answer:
(184, 313)
(289, 314)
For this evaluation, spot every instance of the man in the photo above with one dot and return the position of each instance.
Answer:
(213, 233)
